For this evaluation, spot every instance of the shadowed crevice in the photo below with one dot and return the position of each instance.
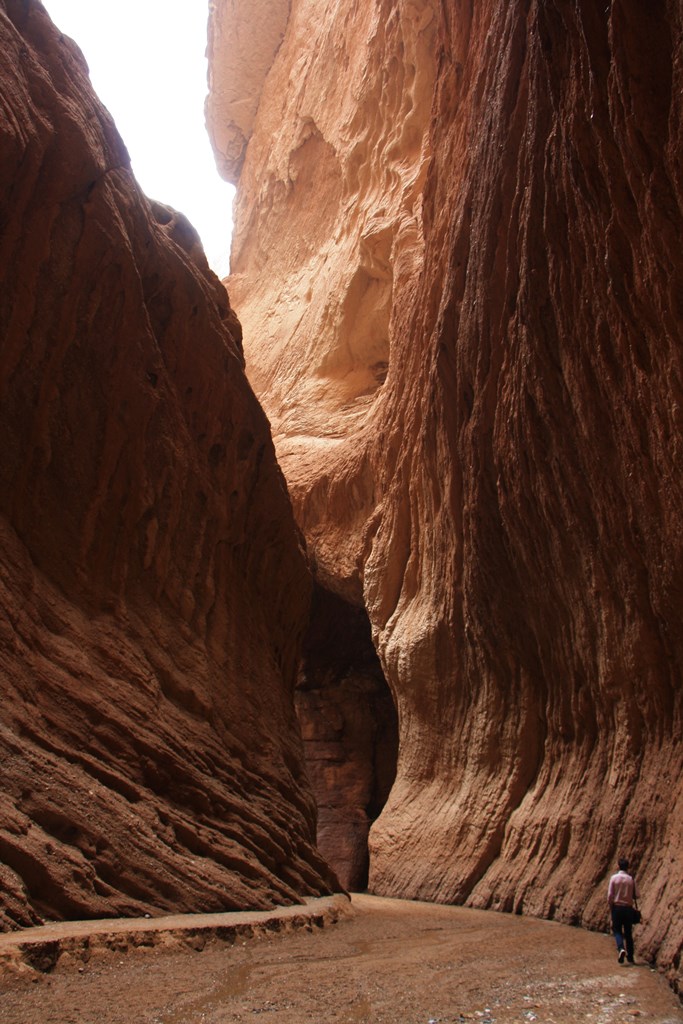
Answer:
(350, 732)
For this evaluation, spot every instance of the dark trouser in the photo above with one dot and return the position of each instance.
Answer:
(622, 921)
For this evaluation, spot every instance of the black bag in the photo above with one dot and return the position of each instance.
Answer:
(636, 917)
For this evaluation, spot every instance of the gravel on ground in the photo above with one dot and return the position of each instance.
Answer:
(385, 962)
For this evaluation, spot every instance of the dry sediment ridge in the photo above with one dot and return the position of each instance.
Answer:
(74, 942)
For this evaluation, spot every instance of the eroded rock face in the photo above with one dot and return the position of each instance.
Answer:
(482, 204)
(153, 586)
(251, 43)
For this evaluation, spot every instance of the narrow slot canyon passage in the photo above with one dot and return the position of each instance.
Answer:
(349, 727)
(447, 362)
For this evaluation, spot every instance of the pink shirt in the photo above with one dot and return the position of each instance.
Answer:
(621, 890)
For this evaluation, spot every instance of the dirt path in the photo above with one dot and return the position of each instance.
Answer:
(391, 961)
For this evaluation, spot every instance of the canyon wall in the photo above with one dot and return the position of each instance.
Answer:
(457, 263)
(154, 590)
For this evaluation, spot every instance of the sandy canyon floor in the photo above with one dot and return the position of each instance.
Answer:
(389, 961)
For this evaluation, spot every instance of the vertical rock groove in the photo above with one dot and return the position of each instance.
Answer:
(507, 502)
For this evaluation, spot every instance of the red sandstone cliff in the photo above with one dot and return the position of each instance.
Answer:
(458, 265)
(153, 587)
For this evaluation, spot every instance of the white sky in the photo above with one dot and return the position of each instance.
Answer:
(148, 66)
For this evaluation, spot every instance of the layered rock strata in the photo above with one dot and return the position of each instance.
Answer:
(153, 585)
(457, 262)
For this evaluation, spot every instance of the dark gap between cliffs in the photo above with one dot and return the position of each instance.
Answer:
(349, 727)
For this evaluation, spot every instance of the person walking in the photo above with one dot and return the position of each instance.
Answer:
(621, 896)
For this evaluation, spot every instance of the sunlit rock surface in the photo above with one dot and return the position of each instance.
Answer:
(248, 37)
(457, 262)
(153, 590)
